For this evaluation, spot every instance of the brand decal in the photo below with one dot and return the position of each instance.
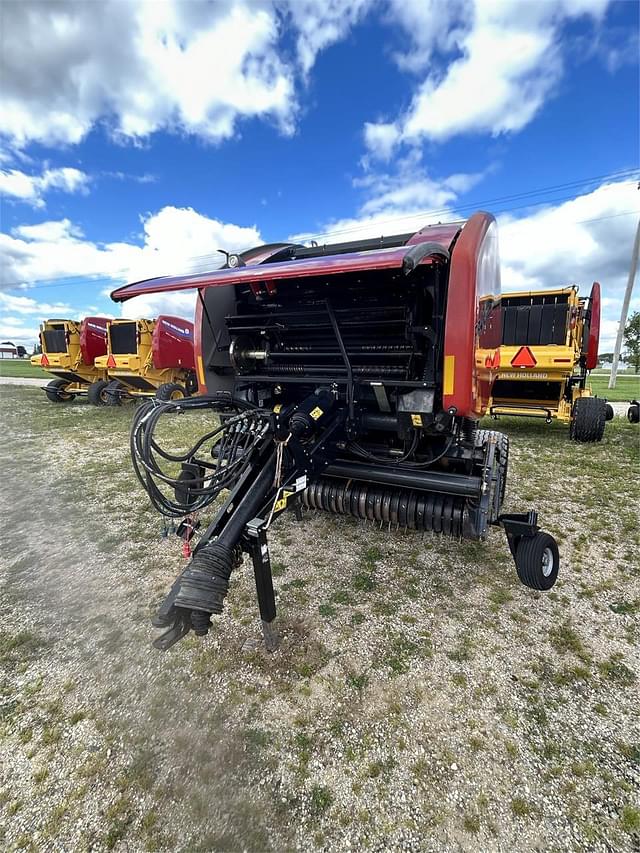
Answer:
(526, 376)
(187, 333)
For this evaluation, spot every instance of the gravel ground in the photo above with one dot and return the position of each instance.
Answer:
(421, 699)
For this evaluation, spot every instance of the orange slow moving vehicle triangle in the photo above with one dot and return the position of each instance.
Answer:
(523, 358)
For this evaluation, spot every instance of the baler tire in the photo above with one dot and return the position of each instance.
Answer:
(111, 397)
(55, 394)
(171, 391)
(608, 412)
(96, 393)
(538, 561)
(588, 419)
(633, 413)
(481, 437)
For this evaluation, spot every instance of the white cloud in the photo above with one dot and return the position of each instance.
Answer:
(31, 188)
(26, 305)
(174, 240)
(320, 23)
(509, 59)
(399, 201)
(140, 66)
(586, 239)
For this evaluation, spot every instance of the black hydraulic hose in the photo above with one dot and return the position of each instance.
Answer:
(239, 434)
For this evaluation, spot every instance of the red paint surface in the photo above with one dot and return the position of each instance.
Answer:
(591, 359)
(93, 338)
(197, 339)
(172, 343)
(373, 259)
(469, 323)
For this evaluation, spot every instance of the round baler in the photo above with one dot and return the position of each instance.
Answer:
(549, 345)
(69, 351)
(347, 378)
(149, 358)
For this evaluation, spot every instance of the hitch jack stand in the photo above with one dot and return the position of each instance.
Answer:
(256, 537)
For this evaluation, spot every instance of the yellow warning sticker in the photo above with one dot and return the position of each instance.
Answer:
(282, 502)
(201, 371)
(316, 413)
(416, 420)
(277, 408)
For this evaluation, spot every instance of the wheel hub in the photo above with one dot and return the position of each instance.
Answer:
(547, 562)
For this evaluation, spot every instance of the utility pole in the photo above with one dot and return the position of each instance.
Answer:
(625, 307)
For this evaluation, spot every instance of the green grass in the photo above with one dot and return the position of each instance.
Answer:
(21, 368)
(627, 386)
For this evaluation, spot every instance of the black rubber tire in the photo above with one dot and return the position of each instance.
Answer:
(96, 393)
(111, 396)
(503, 456)
(55, 393)
(588, 419)
(171, 391)
(633, 413)
(533, 555)
(608, 412)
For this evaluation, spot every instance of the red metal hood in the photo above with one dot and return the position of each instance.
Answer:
(374, 259)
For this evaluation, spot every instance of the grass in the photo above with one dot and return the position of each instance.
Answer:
(21, 368)
(627, 387)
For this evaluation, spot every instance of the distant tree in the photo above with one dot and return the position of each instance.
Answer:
(606, 357)
(37, 349)
(632, 341)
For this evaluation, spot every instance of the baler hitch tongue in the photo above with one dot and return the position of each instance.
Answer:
(262, 487)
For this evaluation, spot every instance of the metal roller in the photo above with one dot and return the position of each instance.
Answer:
(402, 508)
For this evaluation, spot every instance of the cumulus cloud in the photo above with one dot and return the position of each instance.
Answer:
(173, 240)
(505, 59)
(586, 239)
(399, 200)
(31, 188)
(20, 317)
(320, 23)
(140, 66)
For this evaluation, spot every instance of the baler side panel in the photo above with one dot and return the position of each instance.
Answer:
(172, 343)
(93, 338)
(473, 322)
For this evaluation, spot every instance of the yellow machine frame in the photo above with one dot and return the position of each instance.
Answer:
(68, 365)
(559, 364)
(135, 370)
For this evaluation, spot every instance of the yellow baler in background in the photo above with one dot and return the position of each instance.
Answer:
(69, 350)
(549, 345)
(148, 358)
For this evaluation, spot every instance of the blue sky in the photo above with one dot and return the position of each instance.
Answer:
(147, 135)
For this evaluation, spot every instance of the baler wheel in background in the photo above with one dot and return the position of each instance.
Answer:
(111, 393)
(171, 391)
(608, 412)
(55, 392)
(633, 413)
(588, 419)
(96, 393)
(538, 561)
(481, 438)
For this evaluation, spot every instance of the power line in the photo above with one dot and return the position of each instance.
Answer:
(205, 266)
